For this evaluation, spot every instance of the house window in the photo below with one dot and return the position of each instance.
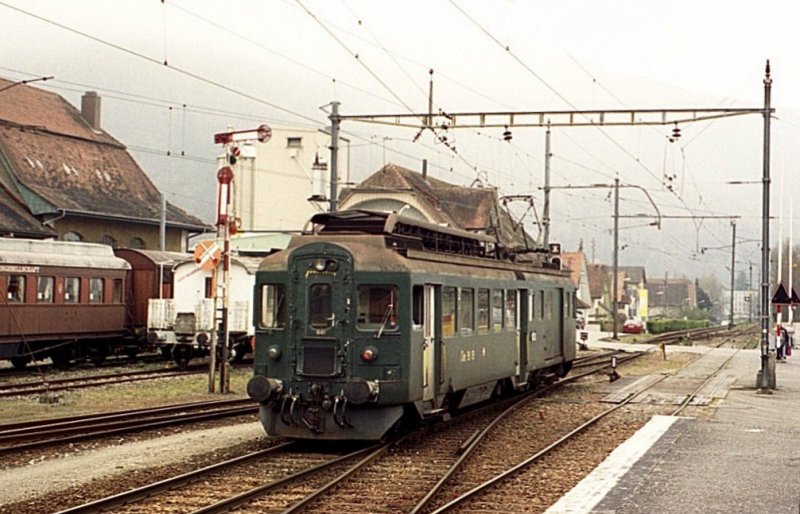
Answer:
(294, 142)
(137, 243)
(72, 236)
(107, 240)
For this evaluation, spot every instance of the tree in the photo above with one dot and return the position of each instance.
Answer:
(703, 300)
(741, 283)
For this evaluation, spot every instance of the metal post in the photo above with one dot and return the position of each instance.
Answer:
(335, 122)
(616, 255)
(765, 374)
(546, 210)
(162, 227)
(733, 264)
(750, 295)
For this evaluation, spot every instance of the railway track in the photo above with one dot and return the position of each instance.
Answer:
(17, 437)
(46, 385)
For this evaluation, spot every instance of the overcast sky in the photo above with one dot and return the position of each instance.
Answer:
(241, 63)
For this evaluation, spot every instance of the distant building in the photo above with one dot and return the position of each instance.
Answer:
(670, 297)
(419, 196)
(281, 183)
(576, 263)
(60, 168)
(745, 305)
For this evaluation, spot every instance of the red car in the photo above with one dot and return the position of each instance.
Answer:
(632, 326)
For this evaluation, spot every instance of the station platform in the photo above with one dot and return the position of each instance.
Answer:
(744, 459)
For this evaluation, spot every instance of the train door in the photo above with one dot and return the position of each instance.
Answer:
(428, 344)
(522, 335)
(558, 313)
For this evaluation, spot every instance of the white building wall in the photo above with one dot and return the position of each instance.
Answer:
(274, 180)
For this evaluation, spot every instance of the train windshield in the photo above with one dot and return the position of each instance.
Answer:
(377, 308)
(320, 307)
(273, 306)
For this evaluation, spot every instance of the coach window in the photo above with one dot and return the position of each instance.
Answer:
(116, 291)
(483, 310)
(273, 306)
(377, 308)
(44, 289)
(449, 311)
(531, 306)
(497, 310)
(511, 309)
(96, 290)
(16, 289)
(72, 289)
(466, 312)
(320, 307)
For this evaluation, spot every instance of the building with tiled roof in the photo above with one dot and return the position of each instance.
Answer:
(668, 297)
(58, 164)
(575, 262)
(419, 196)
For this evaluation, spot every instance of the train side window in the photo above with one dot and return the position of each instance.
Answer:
(16, 289)
(377, 308)
(497, 310)
(483, 310)
(44, 289)
(541, 304)
(320, 307)
(116, 291)
(96, 290)
(72, 289)
(548, 305)
(531, 306)
(511, 309)
(418, 306)
(448, 311)
(273, 306)
(466, 312)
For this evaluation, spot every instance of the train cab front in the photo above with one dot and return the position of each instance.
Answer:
(311, 361)
(323, 409)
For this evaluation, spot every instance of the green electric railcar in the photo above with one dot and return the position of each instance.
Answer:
(376, 319)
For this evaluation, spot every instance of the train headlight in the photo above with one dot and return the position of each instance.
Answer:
(369, 354)
(274, 352)
(331, 266)
(202, 339)
(319, 265)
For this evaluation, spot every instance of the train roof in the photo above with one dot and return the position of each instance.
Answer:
(156, 257)
(34, 252)
(250, 264)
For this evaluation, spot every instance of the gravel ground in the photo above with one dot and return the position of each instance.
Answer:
(70, 469)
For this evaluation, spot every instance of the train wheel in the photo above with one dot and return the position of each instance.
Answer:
(61, 357)
(182, 354)
(20, 362)
(97, 355)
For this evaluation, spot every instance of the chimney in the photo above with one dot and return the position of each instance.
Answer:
(90, 109)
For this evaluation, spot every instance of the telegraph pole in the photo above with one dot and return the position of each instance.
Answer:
(546, 209)
(767, 372)
(334, 148)
(733, 264)
(615, 294)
